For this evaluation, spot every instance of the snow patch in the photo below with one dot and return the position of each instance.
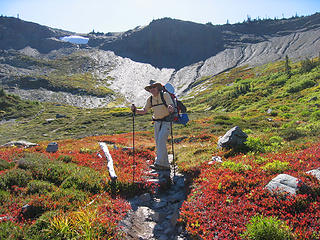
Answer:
(75, 39)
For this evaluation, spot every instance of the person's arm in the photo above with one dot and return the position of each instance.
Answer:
(143, 110)
(138, 111)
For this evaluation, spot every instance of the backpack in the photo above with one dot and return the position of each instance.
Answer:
(179, 115)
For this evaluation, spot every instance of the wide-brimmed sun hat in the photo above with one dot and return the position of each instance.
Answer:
(152, 85)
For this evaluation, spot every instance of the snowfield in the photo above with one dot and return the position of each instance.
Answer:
(75, 39)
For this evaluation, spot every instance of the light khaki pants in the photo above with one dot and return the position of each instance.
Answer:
(161, 133)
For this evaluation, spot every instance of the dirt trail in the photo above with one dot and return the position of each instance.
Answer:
(154, 216)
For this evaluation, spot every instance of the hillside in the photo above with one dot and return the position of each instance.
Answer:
(18, 34)
(69, 193)
(35, 69)
(255, 98)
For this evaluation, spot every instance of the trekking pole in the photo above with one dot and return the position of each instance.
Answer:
(133, 145)
(174, 162)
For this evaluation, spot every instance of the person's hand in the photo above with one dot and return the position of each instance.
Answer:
(170, 109)
(133, 108)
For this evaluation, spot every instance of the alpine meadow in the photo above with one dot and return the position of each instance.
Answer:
(246, 165)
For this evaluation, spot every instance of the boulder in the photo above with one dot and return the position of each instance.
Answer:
(30, 211)
(215, 159)
(315, 172)
(234, 138)
(146, 197)
(285, 183)
(52, 147)
(58, 115)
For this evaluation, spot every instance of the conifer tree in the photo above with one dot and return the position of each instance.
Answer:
(288, 67)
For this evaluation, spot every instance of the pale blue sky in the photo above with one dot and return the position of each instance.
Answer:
(82, 16)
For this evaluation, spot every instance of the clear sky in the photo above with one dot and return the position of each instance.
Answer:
(83, 16)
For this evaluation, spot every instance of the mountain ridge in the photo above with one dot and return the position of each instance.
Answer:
(173, 43)
(244, 44)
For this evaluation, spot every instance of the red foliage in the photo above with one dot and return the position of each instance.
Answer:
(111, 209)
(222, 201)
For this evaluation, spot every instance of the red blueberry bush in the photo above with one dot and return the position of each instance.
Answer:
(69, 187)
(223, 200)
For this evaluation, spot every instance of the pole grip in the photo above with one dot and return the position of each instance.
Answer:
(134, 111)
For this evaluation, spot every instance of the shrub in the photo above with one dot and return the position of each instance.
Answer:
(312, 129)
(300, 85)
(274, 144)
(37, 231)
(2, 92)
(260, 160)
(38, 186)
(315, 116)
(4, 196)
(65, 158)
(276, 140)
(86, 150)
(237, 167)
(307, 65)
(5, 165)
(45, 169)
(266, 228)
(223, 120)
(276, 167)
(85, 179)
(69, 195)
(9, 230)
(255, 144)
(13, 177)
(305, 113)
(280, 81)
(292, 133)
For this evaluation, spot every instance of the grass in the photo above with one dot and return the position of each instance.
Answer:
(279, 114)
(12, 107)
(70, 73)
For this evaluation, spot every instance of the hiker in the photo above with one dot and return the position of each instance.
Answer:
(161, 118)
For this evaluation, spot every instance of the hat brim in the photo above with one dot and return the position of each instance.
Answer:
(158, 85)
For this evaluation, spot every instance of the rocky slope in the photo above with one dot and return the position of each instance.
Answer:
(183, 53)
